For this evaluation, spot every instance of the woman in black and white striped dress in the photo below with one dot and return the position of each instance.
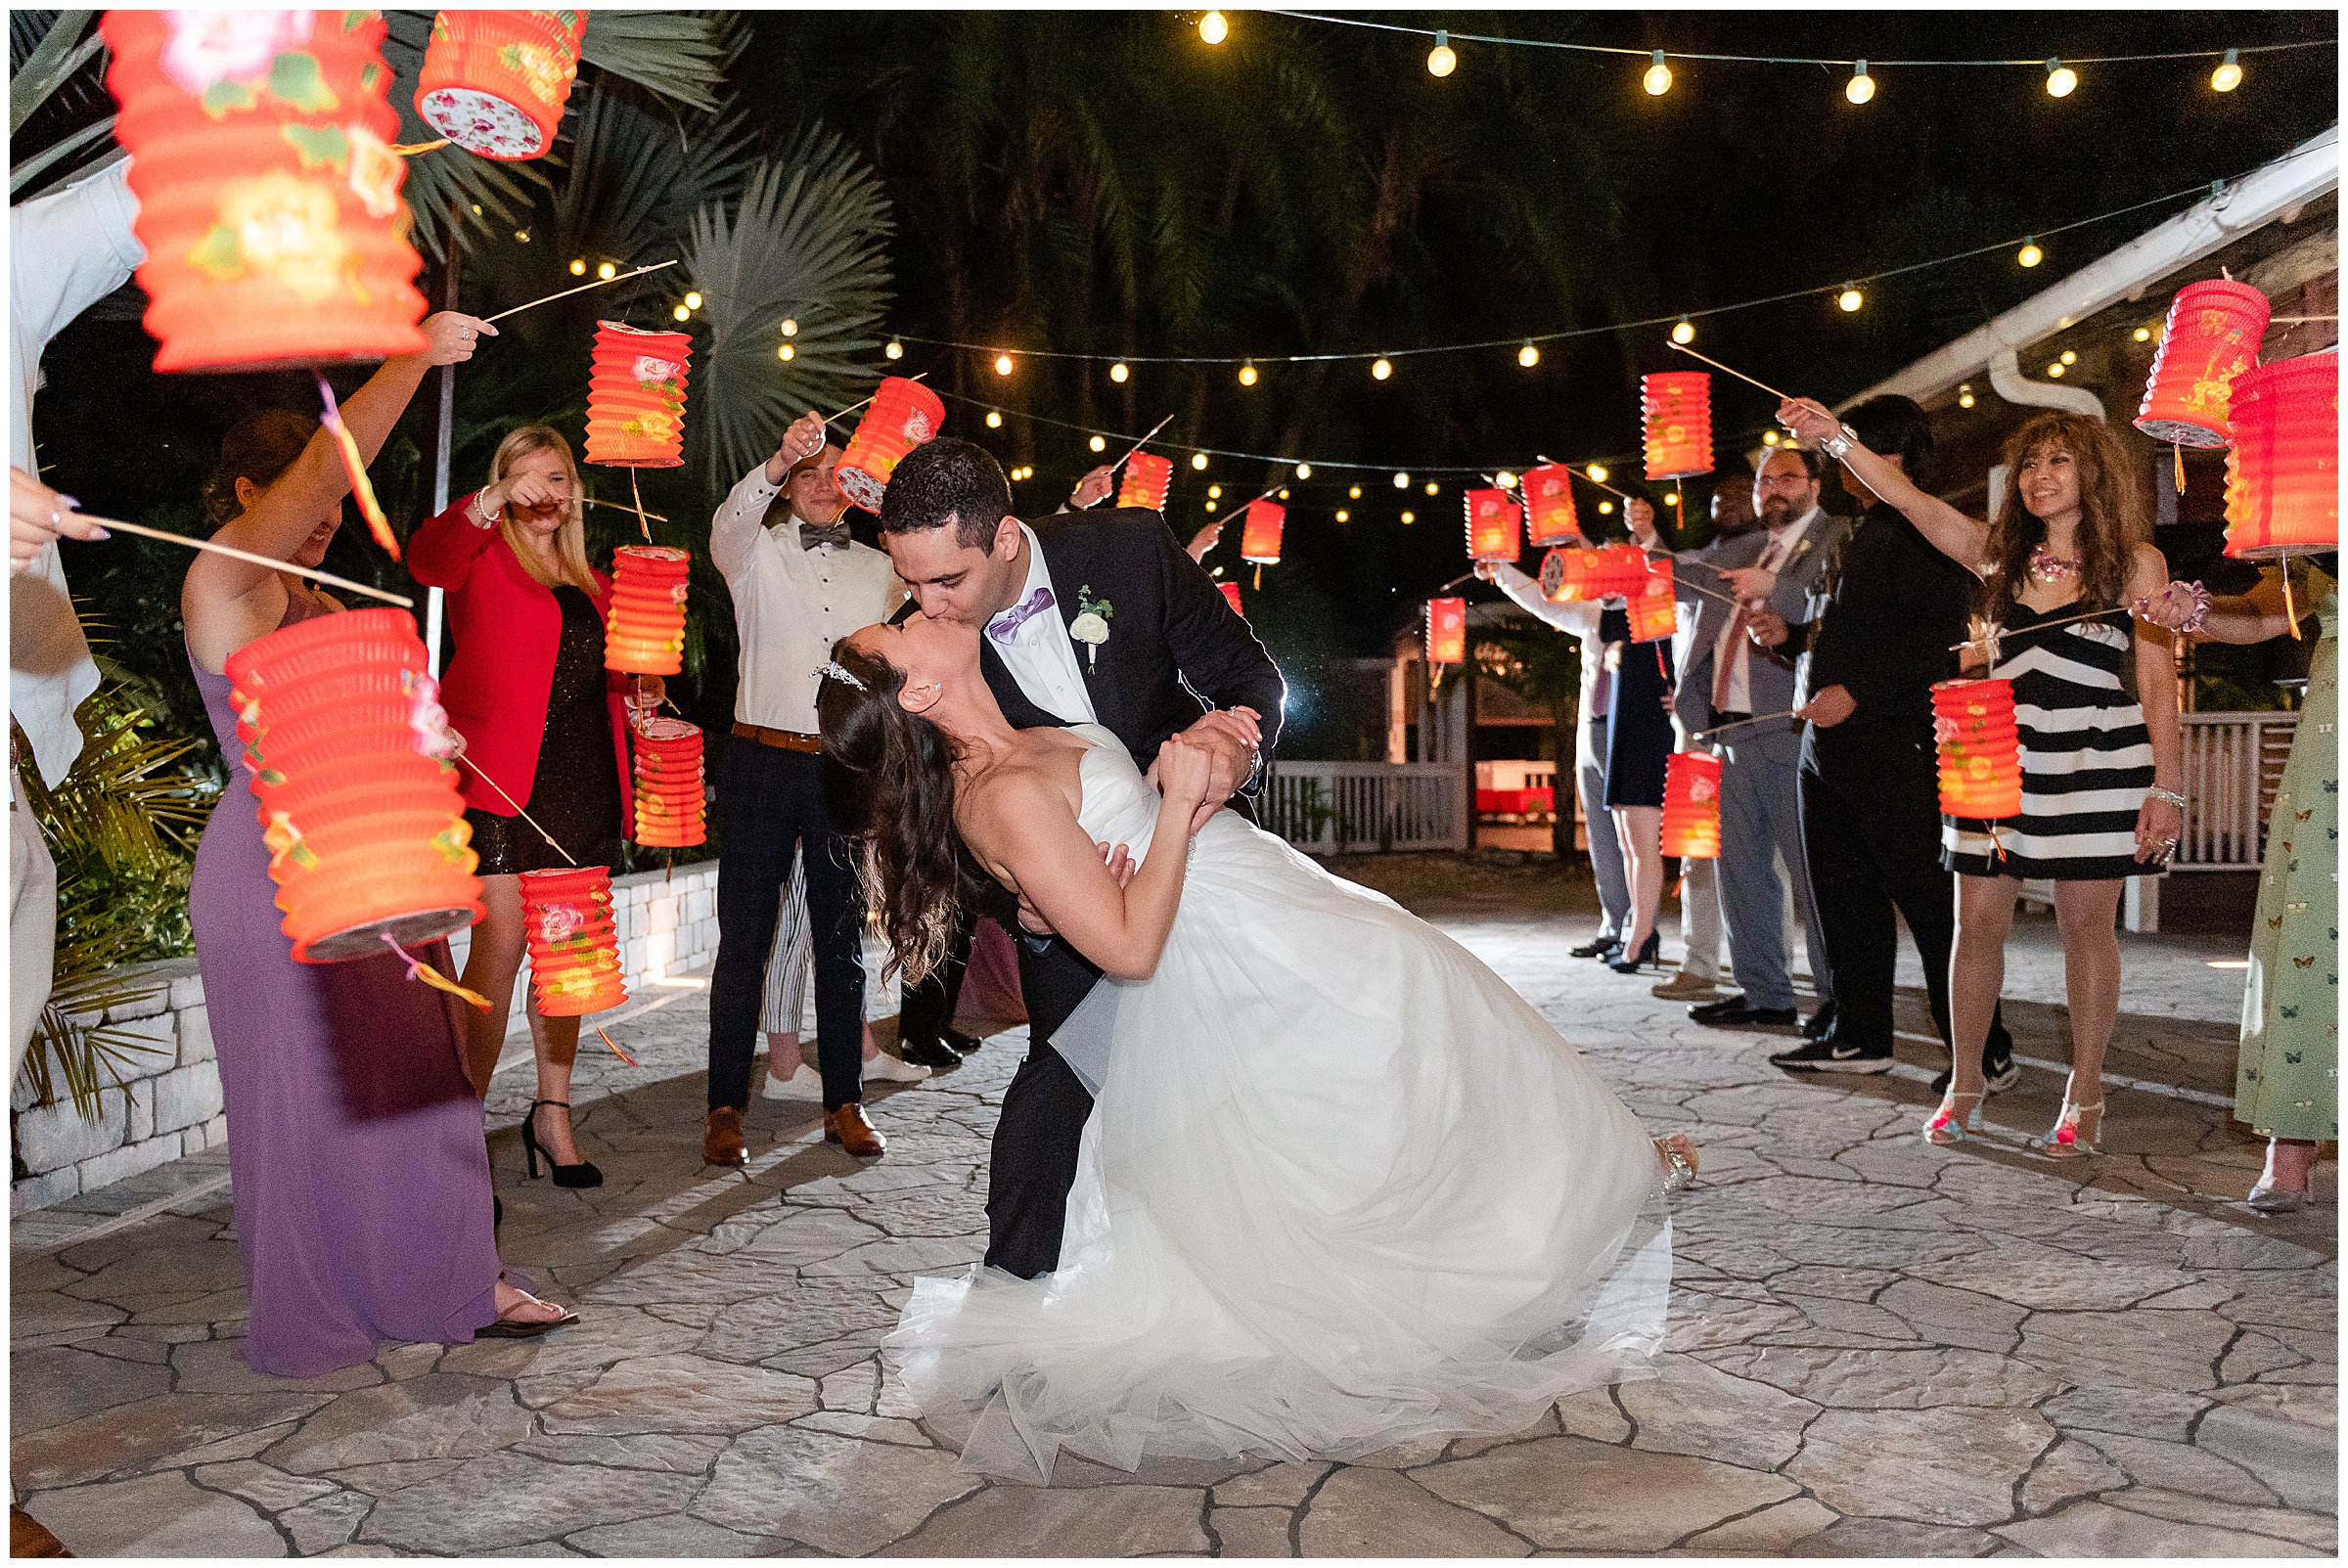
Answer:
(2096, 702)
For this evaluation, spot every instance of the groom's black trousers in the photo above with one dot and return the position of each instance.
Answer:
(1033, 1162)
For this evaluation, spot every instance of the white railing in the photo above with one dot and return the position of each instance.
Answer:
(1353, 808)
(2232, 762)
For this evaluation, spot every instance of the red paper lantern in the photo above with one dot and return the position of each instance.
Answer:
(574, 946)
(1260, 539)
(1549, 505)
(2212, 335)
(671, 791)
(268, 191)
(1231, 591)
(646, 634)
(1692, 805)
(359, 809)
(1584, 575)
(1494, 526)
(903, 415)
(1447, 631)
(494, 82)
(1654, 610)
(1980, 749)
(1148, 477)
(2282, 477)
(1677, 408)
(636, 397)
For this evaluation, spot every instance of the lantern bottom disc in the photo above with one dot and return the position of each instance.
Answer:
(2175, 432)
(2320, 547)
(482, 122)
(860, 487)
(367, 941)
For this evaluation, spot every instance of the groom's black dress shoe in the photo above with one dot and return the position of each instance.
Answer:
(933, 1054)
(1597, 947)
(1736, 1012)
(964, 1043)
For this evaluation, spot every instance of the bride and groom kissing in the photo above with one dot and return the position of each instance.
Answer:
(1285, 1171)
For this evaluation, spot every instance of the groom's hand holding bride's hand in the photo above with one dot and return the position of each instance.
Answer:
(1231, 739)
(1194, 773)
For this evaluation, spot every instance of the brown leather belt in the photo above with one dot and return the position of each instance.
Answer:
(784, 740)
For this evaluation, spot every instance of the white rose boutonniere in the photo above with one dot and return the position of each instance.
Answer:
(1091, 625)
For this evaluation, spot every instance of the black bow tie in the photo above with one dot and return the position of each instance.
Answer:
(835, 534)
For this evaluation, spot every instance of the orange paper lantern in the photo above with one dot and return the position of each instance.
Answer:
(268, 191)
(1260, 539)
(359, 809)
(2212, 335)
(1447, 631)
(1147, 479)
(672, 796)
(1692, 805)
(1549, 505)
(2282, 477)
(636, 397)
(903, 415)
(645, 632)
(1583, 576)
(1980, 749)
(1231, 591)
(1677, 408)
(494, 82)
(1494, 526)
(574, 946)
(1654, 610)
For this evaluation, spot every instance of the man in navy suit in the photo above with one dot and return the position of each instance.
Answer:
(1101, 618)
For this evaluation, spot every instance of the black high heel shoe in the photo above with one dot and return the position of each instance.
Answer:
(1651, 953)
(1597, 947)
(583, 1173)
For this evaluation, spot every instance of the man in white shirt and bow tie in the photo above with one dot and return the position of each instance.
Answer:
(800, 583)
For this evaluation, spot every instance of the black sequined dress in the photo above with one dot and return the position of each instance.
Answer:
(574, 795)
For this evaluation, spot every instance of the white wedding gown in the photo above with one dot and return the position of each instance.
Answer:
(1342, 1187)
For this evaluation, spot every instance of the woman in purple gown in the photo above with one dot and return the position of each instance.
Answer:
(360, 1178)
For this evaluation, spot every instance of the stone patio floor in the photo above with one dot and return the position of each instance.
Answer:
(1878, 1348)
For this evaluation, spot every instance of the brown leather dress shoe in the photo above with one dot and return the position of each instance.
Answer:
(27, 1537)
(847, 1128)
(721, 1137)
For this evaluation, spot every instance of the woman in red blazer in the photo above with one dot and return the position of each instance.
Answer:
(545, 730)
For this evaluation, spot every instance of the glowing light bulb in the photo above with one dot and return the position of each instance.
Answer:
(1433, 488)
(1119, 372)
(1769, 438)
(2055, 369)
(1212, 29)
(2229, 74)
(2060, 79)
(1216, 490)
(693, 299)
(1441, 61)
(1410, 517)
(1672, 500)
(1597, 472)
(1605, 508)
(2069, 357)
(1850, 298)
(606, 271)
(579, 268)
(1381, 370)
(790, 327)
(1684, 332)
(894, 351)
(1343, 515)
(787, 354)
(1506, 480)
(1304, 471)
(2030, 255)
(994, 419)
(2144, 335)
(1861, 87)
(1402, 481)
(1657, 80)
(1964, 396)
(1528, 356)
(1284, 492)
(1354, 494)
(1099, 444)
(1003, 363)
(1211, 506)
(1247, 373)
(1197, 459)
(477, 209)
(682, 314)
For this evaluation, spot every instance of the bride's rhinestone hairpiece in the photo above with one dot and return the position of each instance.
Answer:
(835, 670)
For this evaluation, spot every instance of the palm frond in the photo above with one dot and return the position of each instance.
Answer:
(61, 52)
(806, 243)
(680, 55)
(57, 76)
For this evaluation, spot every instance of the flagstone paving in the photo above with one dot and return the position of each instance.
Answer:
(1878, 1348)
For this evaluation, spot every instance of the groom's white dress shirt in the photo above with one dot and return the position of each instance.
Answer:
(1041, 656)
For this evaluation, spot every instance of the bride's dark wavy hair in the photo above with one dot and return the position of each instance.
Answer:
(917, 875)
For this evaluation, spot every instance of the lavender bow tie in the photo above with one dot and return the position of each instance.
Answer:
(1006, 626)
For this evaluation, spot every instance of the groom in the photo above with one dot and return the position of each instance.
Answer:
(1096, 617)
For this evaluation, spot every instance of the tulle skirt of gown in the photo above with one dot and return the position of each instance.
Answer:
(1342, 1187)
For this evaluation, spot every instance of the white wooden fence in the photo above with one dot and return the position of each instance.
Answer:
(2232, 762)
(1352, 808)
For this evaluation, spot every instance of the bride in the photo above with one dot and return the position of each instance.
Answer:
(1341, 1185)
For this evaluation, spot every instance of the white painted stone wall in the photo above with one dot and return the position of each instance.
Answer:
(171, 1105)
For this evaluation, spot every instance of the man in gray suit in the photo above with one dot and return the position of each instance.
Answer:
(1760, 818)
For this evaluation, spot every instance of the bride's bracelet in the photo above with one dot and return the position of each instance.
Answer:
(2166, 796)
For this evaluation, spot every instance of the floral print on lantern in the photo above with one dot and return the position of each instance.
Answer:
(211, 48)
